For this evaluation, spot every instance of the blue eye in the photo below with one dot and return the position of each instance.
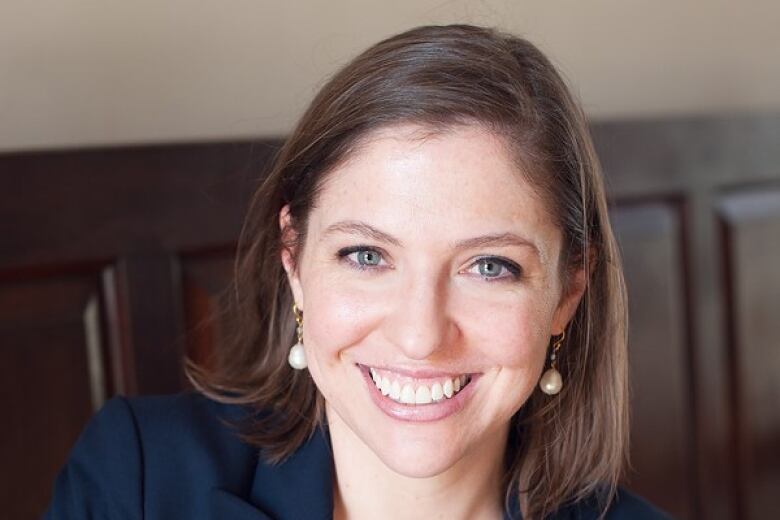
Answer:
(368, 257)
(494, 268)
(361, 257)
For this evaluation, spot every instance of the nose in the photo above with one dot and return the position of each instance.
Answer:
(419, 324)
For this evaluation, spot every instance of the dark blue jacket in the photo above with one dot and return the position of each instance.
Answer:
(178, 457)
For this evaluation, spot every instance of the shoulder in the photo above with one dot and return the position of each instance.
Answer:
(627, 505)
(182, 421)
(624, 506)
(192, 441)
(102, 476)
(152, 450)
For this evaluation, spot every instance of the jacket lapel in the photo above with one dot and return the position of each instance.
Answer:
(300, 487)
(224, 504)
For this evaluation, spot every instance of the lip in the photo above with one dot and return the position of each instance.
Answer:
(419, 413)
(418, 373)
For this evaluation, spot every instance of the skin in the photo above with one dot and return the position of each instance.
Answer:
(421, 302)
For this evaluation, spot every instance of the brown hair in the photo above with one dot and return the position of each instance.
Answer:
(563, 448)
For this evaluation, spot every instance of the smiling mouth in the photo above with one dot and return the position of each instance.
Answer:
(418, 393)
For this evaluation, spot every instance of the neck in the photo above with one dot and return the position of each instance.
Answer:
(365, 487)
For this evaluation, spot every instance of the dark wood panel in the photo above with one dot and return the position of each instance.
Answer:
(52, 378)
(205, 280)
(662, 432)
(103, 203)
(127, 214)
(751, 231)
(687, 154)
(149, 335)
(693, 160)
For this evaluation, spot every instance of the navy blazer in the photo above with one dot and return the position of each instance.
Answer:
(180, 457)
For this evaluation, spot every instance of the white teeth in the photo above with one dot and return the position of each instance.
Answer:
(395, 391)
(385, 388)
(424, 394)
(448, 388)
(407, 394)
(437, 394)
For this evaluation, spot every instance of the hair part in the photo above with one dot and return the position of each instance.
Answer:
(563, 448)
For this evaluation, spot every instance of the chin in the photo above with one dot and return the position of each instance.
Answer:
(421, 461)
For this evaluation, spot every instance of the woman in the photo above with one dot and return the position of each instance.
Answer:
(434, 241)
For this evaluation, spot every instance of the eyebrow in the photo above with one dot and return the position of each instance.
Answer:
(357, 227)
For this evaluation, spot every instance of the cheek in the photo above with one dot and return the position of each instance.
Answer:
(511, 336)
(514, 340)
(336, 318)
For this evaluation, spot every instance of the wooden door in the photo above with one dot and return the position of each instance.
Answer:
(698, 219)
(108, 258)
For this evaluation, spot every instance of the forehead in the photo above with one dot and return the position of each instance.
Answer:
(406, 179)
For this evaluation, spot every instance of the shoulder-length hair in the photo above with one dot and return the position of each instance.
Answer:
(563, 448)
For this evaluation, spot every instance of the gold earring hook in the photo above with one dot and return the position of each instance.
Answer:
(299, 322)
(556, 347)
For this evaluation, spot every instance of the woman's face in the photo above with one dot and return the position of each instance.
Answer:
(430, 266)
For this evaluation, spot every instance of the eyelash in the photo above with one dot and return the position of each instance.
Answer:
(344, 253)
(515, 271)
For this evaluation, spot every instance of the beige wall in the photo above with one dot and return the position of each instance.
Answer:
(89, 72)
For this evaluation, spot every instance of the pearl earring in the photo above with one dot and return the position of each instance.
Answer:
(551, 382)
(297, 356)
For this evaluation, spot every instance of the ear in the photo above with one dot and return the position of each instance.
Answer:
(569, 301)
(288, 254)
